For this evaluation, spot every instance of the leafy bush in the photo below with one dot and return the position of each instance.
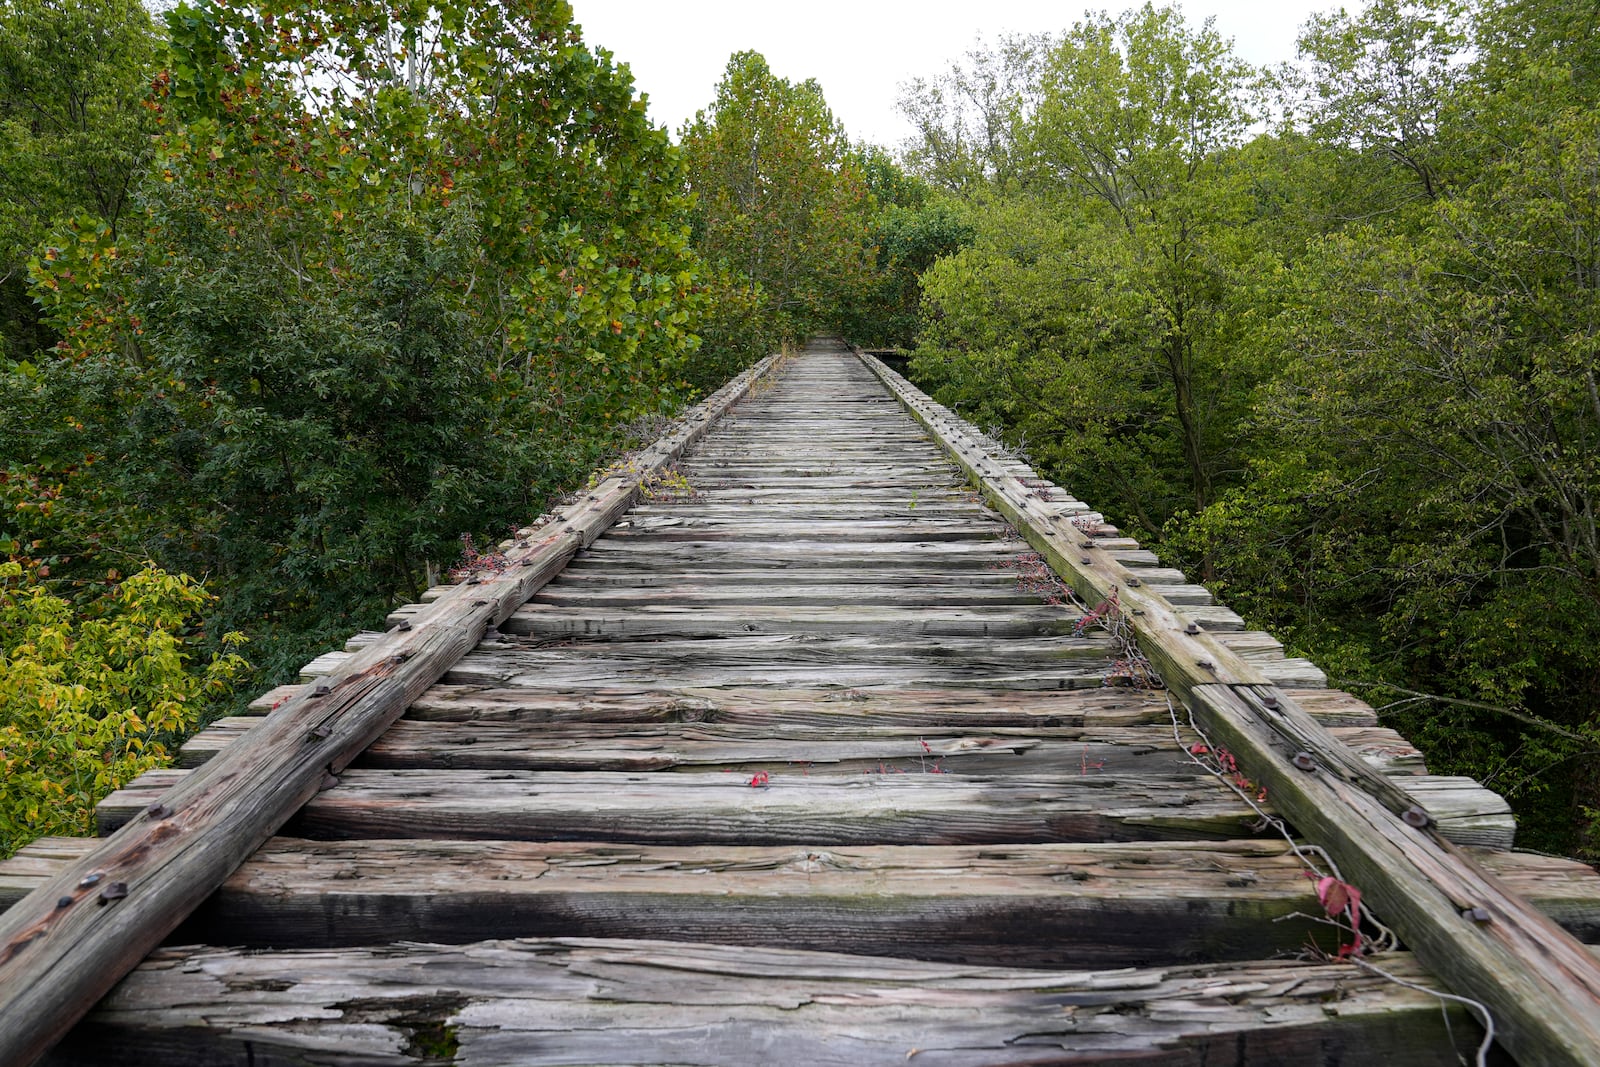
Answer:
(88, 703)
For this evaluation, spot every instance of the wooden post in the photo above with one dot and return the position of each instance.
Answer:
(1541, 985)
(66, 944)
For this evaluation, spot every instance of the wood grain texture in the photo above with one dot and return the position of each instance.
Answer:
(841, 746)
(1565, 890)
(637, 1002)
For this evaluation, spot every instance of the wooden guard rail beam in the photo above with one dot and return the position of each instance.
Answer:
(65, 945)
(1465, 925)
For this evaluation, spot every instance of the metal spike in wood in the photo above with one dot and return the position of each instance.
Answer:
(1465, 925)
(67, 943)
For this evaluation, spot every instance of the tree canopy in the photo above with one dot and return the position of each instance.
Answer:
(1340, 360)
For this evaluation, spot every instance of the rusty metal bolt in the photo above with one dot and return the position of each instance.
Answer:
(114, 891)
(1415, 816)
(158, 810)
(1305, 761)
(1085, 560)
(321, 691)
(63, 902)
(1270, 701)
(1134, 583)
(322, 731)
(1192, 629)
(1085, 544)
(402, 626)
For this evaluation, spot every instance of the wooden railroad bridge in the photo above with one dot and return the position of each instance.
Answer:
(786, 744)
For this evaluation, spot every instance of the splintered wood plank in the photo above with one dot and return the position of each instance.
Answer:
(883, 556)
(691, 620)
(920, 707)
(841, 532)
(512, 656)
(886, 804)
(790, 660)
(839, 747)
(502, 1003)
(692, 807)
(995, 595)
(1019, 905)
(1565, 890)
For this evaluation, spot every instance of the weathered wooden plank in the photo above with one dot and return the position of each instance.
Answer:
(795, 808)
(922, 707)
(1565, 890)
(497, 1004)
(997, 594)
(851, 747)
(582, 576)
(58, 954)
(680, 620)
(1015, 905)
(892, 805)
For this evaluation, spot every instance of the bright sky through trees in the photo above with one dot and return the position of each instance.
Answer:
(861, 50)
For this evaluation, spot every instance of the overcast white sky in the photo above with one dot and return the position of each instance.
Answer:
(860, 50)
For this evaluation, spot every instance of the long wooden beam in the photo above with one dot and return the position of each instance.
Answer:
(65, 945)
(1464, 924)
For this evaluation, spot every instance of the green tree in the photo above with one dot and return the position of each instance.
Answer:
(401, 270)
(1109, 305)
(969, 119)
(74, 134)
(1423, 502)
(914, 225)
(88, 704)
(779, 197)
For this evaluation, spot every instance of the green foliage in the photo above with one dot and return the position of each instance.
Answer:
(1345, 370)
(400, 272)
(913, 227)
(1106, 311)
(86, 704)
(780, 200)
(74, 135)
(969, 119)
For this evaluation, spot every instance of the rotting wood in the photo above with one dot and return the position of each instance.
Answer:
(931, 708)
(839, 746)
(902, 804)
(1542, 986)
(1015, 905)
(622, 1002)
(1565, 890)
(59, 953)
(722, 807)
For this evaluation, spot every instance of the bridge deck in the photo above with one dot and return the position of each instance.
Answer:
(809, 757)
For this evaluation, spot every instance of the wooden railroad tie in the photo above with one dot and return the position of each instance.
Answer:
(793, 739)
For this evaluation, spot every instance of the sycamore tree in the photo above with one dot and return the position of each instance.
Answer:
(779, 199)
